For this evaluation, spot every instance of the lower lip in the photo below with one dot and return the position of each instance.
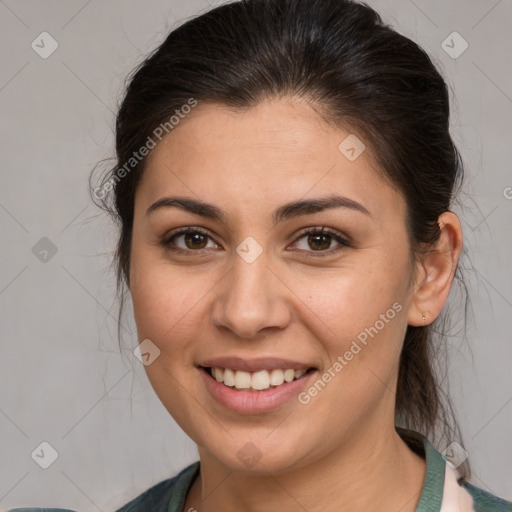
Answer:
(254, 401)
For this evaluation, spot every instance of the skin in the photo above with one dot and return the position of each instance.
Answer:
(340, 451)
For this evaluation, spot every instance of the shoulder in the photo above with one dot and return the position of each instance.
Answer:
(485, 501)
(167, 495)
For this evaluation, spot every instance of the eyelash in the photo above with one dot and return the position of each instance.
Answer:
(344, 243)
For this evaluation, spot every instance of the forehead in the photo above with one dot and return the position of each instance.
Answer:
(277, 150)
(285, 125)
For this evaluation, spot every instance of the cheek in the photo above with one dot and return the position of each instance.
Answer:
(360, 322)
(166, 318)
(172, 307)
(358, 315)
(164, 297)
(348, 300)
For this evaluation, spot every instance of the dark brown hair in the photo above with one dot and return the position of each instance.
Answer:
(360, 74)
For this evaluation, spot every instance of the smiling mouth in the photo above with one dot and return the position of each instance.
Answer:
(255, 381)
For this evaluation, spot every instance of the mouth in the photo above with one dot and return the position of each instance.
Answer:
(254, 386)
(257, 381)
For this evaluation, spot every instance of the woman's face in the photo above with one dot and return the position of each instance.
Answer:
(253, 294)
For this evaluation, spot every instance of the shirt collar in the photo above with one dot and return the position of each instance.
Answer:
(441, 490)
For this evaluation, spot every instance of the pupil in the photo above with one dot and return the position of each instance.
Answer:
(313, 239)
(194, 238)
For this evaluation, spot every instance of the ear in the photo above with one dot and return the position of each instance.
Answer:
(435, 271)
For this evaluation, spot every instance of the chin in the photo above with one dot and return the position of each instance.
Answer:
(259, 455)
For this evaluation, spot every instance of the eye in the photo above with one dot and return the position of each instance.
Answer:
(320, 240)
(188, 240)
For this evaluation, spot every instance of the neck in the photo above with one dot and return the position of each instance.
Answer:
(376, 472)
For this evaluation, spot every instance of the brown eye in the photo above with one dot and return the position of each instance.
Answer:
(188, 240)
(321, 241)
(195, 240)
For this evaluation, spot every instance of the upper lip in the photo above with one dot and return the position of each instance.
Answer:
(253, 365)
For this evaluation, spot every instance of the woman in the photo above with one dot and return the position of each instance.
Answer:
(288, 244)
(283, 185)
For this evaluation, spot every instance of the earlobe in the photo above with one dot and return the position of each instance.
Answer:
(435, 272)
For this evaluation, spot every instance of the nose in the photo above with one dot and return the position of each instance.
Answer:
(251, 299)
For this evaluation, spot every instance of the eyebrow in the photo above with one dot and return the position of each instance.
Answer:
(284, 212)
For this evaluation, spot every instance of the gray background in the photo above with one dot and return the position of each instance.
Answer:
(63, 378)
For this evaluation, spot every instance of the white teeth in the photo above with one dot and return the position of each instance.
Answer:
(276, 377)
(229, 377)
(300, 373)
(289, 374)
(242, 380)
(259, 380)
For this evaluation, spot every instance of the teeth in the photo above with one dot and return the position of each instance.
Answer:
(300, 373)
(242, 380)
(289, 375)
(260, 380)
(229, 377)
(277, 377)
